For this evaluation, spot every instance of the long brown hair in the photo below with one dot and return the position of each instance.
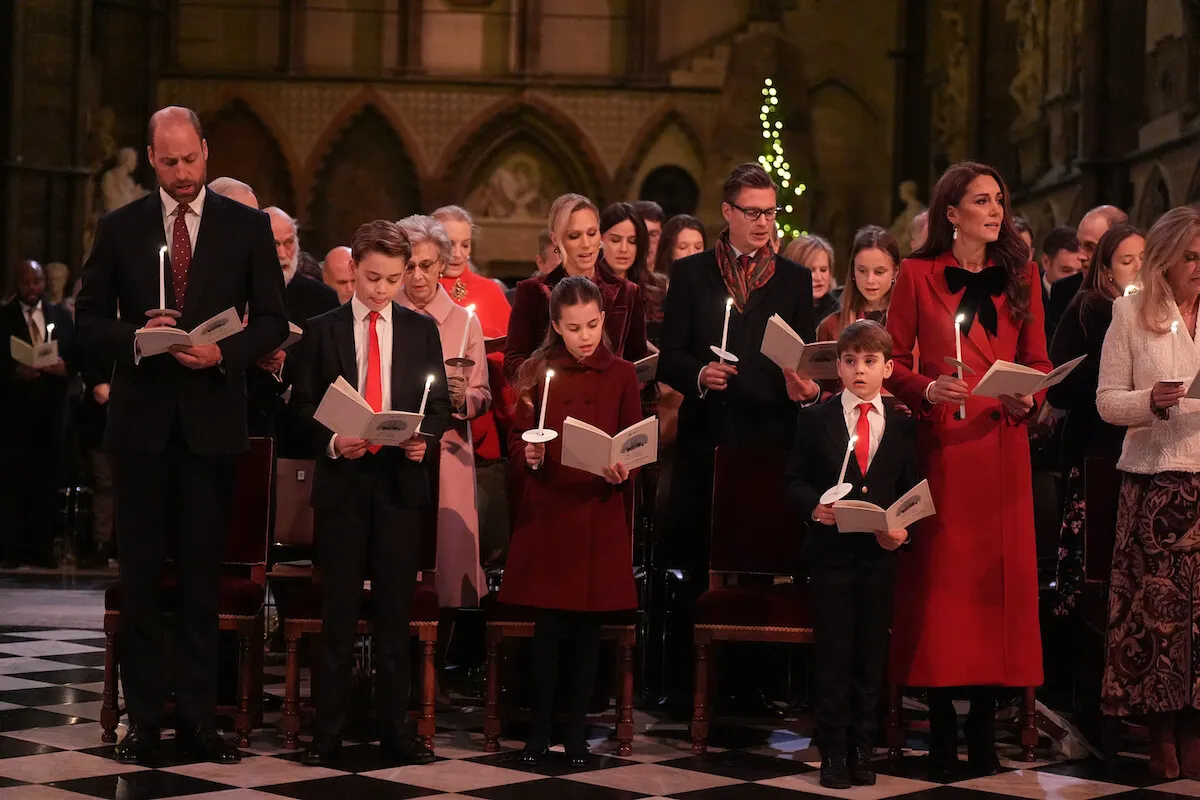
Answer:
(1098, 285)
(651, 286)
(1008, 251)
(869, 237)
(573, 290)
(1166, 243)
(670, 233)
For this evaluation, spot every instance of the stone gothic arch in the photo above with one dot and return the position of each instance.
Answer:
(242, 146)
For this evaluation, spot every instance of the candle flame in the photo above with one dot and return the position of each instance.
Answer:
(960, 319)
(1175, 326)
(729, 303)
(549, 374)
(49, 330)
(429, 380)
(471, 309)
(853, 439)
(162, 251)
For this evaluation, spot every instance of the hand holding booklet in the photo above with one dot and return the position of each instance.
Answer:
(36, 356)
(858, 516)
(784, 346)
(152, 341)
(590, 449)
(1005, 377)
(344, 411)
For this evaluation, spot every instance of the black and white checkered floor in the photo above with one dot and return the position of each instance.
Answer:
(50, 684)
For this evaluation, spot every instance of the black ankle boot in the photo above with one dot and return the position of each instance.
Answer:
(943, 735)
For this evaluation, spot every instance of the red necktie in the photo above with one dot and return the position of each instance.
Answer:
(862, 448)
(743, 262)
(374, 389)
(181, 255)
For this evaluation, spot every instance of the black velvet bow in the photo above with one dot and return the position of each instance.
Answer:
(980, 287)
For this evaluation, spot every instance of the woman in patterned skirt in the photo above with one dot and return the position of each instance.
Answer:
(1149, 358)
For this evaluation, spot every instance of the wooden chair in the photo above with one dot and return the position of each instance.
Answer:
(240, 594)
(761, 547)
(300, 614)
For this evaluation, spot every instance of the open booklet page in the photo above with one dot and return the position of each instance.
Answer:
(1005, 377)
(586, 447)
(344, 411)
(784, 346)
(857, 516)
(152, 341)
(38, 357)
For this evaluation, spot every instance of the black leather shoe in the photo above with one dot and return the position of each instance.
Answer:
(862, 773)
(206, 744)
(577, 754)
(835, 771)
(533, 754)
(407, 750)
(322, 751)
(140, 746)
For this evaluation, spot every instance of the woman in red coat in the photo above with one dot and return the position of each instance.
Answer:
(571, 555)
(966, 612)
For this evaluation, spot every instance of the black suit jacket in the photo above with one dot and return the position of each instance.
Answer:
(233, 264)
(1062, 292)
(813, 467)
(327, 351)
(755, 410)
(34, 410)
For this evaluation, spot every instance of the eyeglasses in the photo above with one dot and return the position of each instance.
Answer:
(752, 214)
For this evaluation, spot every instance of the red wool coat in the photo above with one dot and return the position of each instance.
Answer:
(572, 545)
(966, 605)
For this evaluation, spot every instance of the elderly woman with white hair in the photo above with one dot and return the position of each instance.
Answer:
(460, 579)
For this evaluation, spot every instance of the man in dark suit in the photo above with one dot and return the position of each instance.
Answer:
(304, 298)
(852, 573)
(367, 500)
(1062, 259)
(33, 407)
(751, 403)
(177, 421)
(1092, 227)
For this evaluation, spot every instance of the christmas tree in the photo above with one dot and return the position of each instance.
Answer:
(776, 164)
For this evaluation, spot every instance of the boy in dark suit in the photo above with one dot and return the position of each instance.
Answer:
(367, 499)
(852, 573)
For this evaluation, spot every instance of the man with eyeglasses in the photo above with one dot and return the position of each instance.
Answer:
(751, 403)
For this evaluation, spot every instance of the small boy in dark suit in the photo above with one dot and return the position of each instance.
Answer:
(852, 573)
(366, 499)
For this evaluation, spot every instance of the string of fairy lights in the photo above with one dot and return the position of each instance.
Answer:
(774, 161)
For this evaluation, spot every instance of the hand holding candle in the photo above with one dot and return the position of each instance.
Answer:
(722, 354)
(425, 396)
(540, 435)
(545, 400)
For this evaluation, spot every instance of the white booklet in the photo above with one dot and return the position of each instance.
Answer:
(646, 368)
(858, 516)
(152, 341)
(590, 449)
(295, 334)
(344, 411)
(38, 357)
(1005, 377)
(784, 346)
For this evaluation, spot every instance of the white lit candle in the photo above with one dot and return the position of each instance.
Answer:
(50, 331)
(162, 277)
(545, 399)
(425, 396)
(846, 460)
(725, 327)
(958, 321)
(1174, 367)
(462, 351)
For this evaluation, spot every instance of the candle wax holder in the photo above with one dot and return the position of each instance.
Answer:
(835, 493)
(459, 361)
(724, 355)
(163, 312)
(954, 362)
(539, 436)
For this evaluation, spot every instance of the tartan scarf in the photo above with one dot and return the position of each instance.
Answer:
(742, 281)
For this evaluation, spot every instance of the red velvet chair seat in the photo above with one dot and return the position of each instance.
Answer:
(304, 602)
(784, 606)
(236, 596)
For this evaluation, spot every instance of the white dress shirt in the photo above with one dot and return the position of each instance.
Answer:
(362, 353)
(875, 419)
(192, 220)
(35, 316)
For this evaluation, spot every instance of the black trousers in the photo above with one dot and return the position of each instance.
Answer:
(368, 536)
(550, 629)
(850, 625)
(175, 504)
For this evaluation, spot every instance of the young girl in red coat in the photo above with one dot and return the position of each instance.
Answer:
(571, 556)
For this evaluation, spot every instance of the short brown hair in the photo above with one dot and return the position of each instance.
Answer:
(649, 211)
(381, 236)
(865, 336)
(746, 176)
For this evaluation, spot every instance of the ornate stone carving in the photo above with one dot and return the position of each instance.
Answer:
(513, 191)
(952, 97)
(902, 225)
(117, 186)
(1027, 87)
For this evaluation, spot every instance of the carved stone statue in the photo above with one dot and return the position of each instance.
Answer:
(118, 187)
(1027, 87)
(953, 98)
(513, 191)
(902, 225)
(57, 275)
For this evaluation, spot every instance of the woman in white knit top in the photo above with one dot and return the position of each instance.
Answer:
(1149, 358)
